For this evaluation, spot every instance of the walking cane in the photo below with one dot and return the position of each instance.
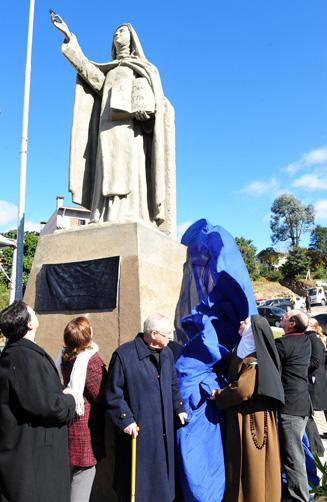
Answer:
(133, 471)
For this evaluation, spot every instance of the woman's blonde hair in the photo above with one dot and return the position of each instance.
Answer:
(77, 337)
(315, 326)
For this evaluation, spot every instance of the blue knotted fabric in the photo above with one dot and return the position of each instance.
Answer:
(214, 262)
(216, 295)
(200, 449)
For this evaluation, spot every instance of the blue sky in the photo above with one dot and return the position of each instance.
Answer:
(248, 81)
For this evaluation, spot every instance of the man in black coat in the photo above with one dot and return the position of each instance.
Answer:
(142, 391)
(294, 350)
(34, 411)
(308, 303)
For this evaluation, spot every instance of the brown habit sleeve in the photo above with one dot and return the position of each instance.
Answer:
(238, 391)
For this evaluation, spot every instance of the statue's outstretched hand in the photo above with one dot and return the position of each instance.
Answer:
(60, 24)
(142, 115)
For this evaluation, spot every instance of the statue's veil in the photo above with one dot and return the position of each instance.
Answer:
(136, 47)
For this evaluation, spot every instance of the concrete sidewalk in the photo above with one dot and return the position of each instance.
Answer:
(319, 418)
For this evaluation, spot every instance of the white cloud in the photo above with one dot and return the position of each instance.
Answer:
(321, 209)
(8, 212)
(182, 227)
(260, 187)
(315, 157)
(312, 158)
(311, 182)
(31, 227)
(292, 168)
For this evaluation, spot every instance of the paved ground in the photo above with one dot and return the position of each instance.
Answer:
(318, 309)
(320, 420)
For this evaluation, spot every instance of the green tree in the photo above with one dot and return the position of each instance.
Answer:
(6, 255)
(269, 257)
(248, 252)
(290, 219)
(297, 263)
(318, 241)
(317, 259)
(4, 296)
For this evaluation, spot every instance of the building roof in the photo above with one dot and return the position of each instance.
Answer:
(5, 242)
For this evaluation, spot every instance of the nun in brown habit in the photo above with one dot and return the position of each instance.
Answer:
(250, 401)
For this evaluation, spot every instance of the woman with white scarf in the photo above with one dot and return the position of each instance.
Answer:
(250, 401)
(84, 373)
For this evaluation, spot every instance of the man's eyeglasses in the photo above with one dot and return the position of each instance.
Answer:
(165, 334)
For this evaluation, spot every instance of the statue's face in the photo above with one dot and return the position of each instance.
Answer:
(122, 36)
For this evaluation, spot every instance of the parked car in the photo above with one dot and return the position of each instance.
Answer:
(284, 306)
(272, 314)
(317, 295)
(299, 302)
(274, 302)
(266, 303)
(278, 302)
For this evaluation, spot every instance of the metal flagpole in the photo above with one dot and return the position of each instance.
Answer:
(12, 288)
(23, 158)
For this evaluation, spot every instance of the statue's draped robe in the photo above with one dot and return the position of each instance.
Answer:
(120, 170)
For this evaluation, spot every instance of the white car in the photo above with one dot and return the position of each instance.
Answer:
(299, 302)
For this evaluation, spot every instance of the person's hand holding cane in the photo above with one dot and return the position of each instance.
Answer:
(132, 429)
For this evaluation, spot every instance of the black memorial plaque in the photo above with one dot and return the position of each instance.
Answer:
(78, 286)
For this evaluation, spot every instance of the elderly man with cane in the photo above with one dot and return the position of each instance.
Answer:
(142, 392)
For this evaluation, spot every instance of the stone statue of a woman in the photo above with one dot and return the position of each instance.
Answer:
(122, 156)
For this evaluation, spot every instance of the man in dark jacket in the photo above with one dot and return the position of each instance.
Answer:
(34, 464)
(308, 303)
(142, 391)
(294, 350)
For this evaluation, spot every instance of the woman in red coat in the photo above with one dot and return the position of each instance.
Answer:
(84, 372)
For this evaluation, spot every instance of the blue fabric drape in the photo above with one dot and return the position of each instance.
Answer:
(199, 443)
(216, 295)
(214, 267)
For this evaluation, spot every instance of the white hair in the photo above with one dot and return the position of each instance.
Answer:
(154, 322)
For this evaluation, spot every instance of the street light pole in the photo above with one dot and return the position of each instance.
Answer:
(23, 159)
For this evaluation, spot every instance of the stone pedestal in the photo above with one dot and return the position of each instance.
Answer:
(151, 272)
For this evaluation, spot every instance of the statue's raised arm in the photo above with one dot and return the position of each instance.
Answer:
(60, 24)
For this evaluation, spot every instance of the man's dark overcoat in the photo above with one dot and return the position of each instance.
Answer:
(34, 465)
(138, 391)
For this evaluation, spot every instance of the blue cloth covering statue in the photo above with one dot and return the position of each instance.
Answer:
(200, 449)
(214, 262)
(216, 295)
